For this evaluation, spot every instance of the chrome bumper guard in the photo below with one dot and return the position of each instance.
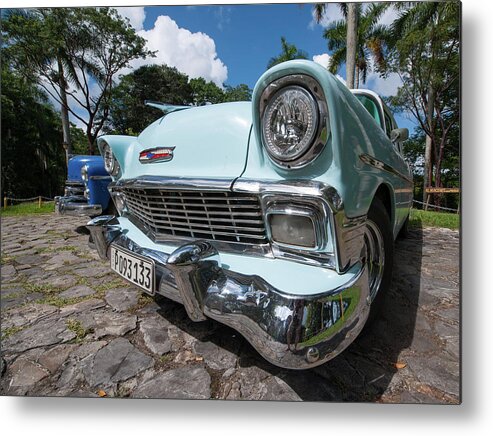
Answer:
(76, 205)
(290, 331)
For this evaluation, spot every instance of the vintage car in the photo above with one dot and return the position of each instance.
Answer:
(276, 217)
(86, 188)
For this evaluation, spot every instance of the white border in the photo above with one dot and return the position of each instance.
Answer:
(46, 416)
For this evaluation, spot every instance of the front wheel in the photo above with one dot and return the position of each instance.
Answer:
(379, 251)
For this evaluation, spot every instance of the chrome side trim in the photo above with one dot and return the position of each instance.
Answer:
(323, 128)
(289, 330)
(100, 177)
(376, 163)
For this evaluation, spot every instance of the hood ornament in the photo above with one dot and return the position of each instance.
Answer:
(158, 154)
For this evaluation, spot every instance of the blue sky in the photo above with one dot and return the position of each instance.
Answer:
(232, 44)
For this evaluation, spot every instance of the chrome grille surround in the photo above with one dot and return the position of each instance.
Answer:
(189, 214)
(346, 234)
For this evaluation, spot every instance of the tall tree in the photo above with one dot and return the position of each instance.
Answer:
(205, 92)
(129, 114)
(74, 54)
(288, 53)
(425, 52)
(238, 93)
(351, 42)
(32, 156)
(367, 41)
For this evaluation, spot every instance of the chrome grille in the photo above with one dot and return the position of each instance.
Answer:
(221, 216)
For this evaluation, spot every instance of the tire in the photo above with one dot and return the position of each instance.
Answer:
(404, 231)
(379, 244)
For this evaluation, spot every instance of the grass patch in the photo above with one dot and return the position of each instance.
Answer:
(11, 331)
(28, 209)
(43, 289)
(56, 249)
(142, 302)
(57, 301)
(6, 259)
(103, 287)
(421, 218)
(76, 326)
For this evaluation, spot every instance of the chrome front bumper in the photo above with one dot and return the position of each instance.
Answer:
(76, 205)
(291, 331)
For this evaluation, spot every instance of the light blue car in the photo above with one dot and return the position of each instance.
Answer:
(276, 217)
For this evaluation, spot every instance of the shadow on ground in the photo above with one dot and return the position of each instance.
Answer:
(364, 371)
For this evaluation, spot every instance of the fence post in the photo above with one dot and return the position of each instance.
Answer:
(39, 202)
(5, 202)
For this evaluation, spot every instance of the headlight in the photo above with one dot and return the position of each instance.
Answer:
(290, 123)
(110, 163)
(294, 230)
(83, 174)
(294, 120)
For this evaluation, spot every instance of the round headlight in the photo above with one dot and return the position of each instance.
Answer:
(290, 123)
(83, 174)
(110, 163)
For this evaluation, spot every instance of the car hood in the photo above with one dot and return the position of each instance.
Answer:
(75, 164)
(209, 142)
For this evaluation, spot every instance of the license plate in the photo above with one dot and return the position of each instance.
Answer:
(136, 269)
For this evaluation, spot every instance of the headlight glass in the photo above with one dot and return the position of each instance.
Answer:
(290, 123)
(294, 230)
(110, 163)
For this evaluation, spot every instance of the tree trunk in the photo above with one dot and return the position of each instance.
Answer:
(427, 176)
(351, 38)
(356, 85)
(67, 142)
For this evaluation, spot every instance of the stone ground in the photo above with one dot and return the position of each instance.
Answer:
(70, 327)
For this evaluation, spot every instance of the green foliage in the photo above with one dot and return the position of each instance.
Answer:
(288, 53)
(33, 159)
(66, 50)
(425, 43)
(370, 39)
(129, 114)
(205, 92)
(421, 218)
(27, 209)
(238, 93)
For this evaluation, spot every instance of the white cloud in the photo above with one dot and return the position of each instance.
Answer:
(384, 87)
(136, 16)
(333, 13)
(191, 53)
(324, 59)
(389, 16)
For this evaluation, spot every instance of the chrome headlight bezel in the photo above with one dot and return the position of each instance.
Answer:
(321, 129)
(111, 164)
(83, 174)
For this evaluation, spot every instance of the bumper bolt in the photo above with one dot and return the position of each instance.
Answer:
(312, 355)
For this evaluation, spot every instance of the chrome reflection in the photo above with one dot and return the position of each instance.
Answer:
(291, 331)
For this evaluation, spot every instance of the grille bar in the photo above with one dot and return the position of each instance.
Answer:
(222, 216)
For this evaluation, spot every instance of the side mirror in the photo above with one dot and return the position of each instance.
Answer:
(399, 135)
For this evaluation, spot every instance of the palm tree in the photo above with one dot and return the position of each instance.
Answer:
(288, 53)
(428, 18)
(366, 43)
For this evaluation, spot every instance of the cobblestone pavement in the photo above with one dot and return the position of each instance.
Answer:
(72, 328)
